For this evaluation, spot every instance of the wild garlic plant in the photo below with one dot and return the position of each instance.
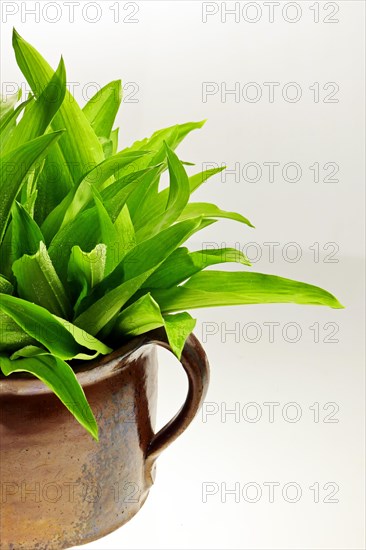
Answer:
(92, 247)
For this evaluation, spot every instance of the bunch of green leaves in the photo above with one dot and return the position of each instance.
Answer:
(91, 244)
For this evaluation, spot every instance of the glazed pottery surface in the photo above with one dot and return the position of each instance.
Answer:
(59, 487)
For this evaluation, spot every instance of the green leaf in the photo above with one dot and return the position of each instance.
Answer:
(103, 304)
(178, 327)
(79, 145)
(182, 264)
(14, 166)
(219, 288)
(197, 180)
(61, 338)
(85, 230)
(86, 269)
(26, 235)
(130, 274)
(61, 379)
(136, 200)
(178, 185)
(28, 351)
(29, 192)
(102, 108)
(138, 318)
(79, 197)
(53, 184)
(7, 104)
(114, 140)
(109, 235)
(116, 195)
(8, 123)
(6, 254)
(206, 209)
(12, 336)
(101, 311)
(172, 136)
(126, 239)
(158, 205)
(110, 145)
(151, 253)
(96, 178)
(177, 200)
(84, 339)
(146, 218)
(39, 114)
(144, 315)
(39, 283)
(5, 286)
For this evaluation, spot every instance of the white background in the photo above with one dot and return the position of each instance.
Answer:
(168, 54)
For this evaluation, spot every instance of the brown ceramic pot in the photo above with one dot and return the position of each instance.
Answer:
(59, 487)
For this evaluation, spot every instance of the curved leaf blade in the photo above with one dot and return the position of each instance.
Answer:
(144, 315)
(182, 264)
(177, 199)
(39, 283)
(80, 146)
(81, 195)
(219, 288)
(61, 379)
(211, 211)
(60, 337)
(138, 264)
(101, 110)
(8, 122)
(14, 166)
(5, 286)
(197, 180)
(8, 103)
(39, 114)
(86, 269)
(25, 233)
